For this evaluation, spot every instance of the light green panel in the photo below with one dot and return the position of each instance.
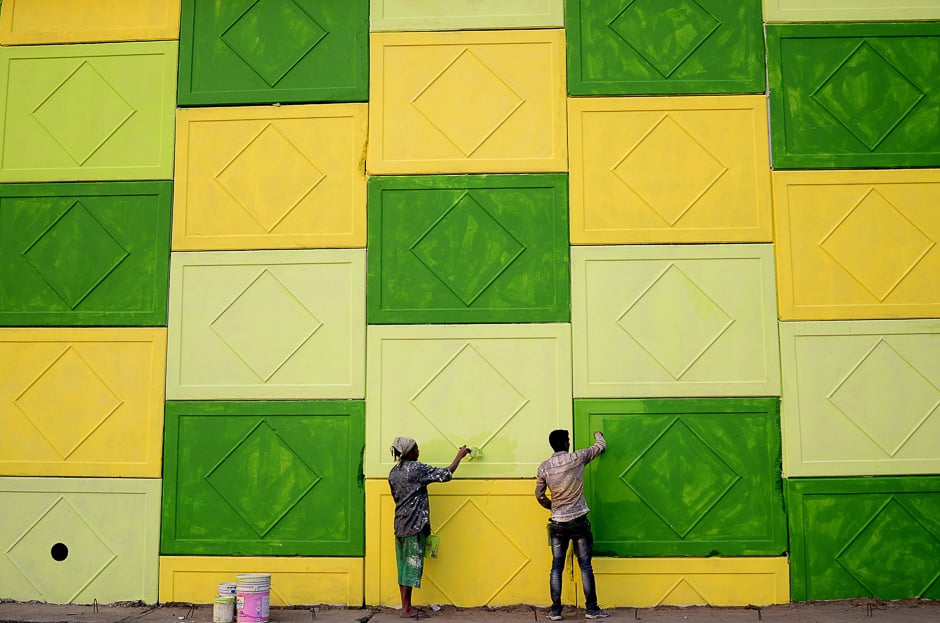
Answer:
(850, 10)
(661, 321)
(465, 14)
(267, 325)
(499, 388)
(77, 540)
(861, 398)
(87, 112)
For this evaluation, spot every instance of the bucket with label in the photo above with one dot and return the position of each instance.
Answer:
(223, 609)
(227, 589)
(252, 597)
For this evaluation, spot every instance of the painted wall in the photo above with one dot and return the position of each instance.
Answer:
(244, 244)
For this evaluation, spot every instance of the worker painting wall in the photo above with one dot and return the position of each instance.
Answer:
(245, 244)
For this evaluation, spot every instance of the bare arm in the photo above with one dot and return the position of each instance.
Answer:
(461, 452)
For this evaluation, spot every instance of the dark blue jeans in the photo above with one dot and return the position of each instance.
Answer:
(578, 533)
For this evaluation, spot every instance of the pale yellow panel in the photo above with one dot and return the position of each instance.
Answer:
(494, 546)
(857, 244)
(82, 402)
(267, 325)
(498, 388)
(650, 582)
(861, 398)
(467, 102)
(68, 21)
(674, 320)
(465, 14)
(850, 10)
(669, 169)
(294, 581)
(270, 177)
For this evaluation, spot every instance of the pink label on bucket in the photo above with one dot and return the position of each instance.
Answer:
(253, 607)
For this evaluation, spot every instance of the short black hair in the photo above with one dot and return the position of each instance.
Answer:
(558, 439)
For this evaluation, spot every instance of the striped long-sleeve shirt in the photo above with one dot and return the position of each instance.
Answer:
(563, 475)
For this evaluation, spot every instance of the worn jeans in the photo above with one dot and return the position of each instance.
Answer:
(578, 532)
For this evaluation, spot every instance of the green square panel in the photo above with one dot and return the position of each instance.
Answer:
(87, 112)
(864, 537)
(84, 253)
(685, 477)
(854, 95)
(648, 47)
(468, 248)
(264, 478)
(268, 51)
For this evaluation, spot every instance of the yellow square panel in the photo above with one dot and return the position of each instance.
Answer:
(465, 14)
(651, 582)
(494, 546)
(669, 169)
(857, 244)
(467, 102)
(860, 398)
(270, 177)
(82, 402)
(850, 10)
(499, 388)
(294, 581)
(267, 325)
(92, 21)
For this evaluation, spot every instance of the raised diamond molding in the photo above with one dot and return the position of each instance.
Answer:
(75, 254)
(468, 373)
(29, 553)
(273, 57)
(870, 389)
(262, 465)
(67, 402)
(684, 169)
(879, 273)
(265, 346)
(81, 123)
(868, 95)
(674, 321)
(467, 102)
(664, 32)
(466, 230)
(680, 462)
(491, 543)
(270, 199)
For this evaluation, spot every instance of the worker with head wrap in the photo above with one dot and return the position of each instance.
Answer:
(409, 481)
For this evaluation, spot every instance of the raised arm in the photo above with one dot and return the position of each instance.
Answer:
(461, 453)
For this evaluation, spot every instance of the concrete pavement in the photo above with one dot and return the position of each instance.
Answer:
(848, 611)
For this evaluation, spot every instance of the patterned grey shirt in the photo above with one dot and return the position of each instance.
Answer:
(563, 475)
(409, 481)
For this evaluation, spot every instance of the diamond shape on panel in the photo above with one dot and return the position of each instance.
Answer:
(664, 32)
(675, 321)
(268, 344)
(270, 198)
(881, 272)
(75, 254)
(679, 477)
(467, 101)
(682, 593)
(874, 549)
(490, 543)
(495, 401)
(67, 402)
(251, 37)
(669, 169)
(83, 112)
(467, 249)
(884, 382)
(855, 93)
(262, 478)
(89, 554)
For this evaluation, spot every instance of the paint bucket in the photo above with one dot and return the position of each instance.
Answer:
(223, 609)
(227, 589)
(252, 597)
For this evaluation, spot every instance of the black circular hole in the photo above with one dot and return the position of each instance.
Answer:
(60, 552)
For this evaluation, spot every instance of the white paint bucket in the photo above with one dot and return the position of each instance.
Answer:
(227, 589)
(252, 597)
(223, 609)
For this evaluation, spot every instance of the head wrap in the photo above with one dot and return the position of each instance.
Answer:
(402, 446)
